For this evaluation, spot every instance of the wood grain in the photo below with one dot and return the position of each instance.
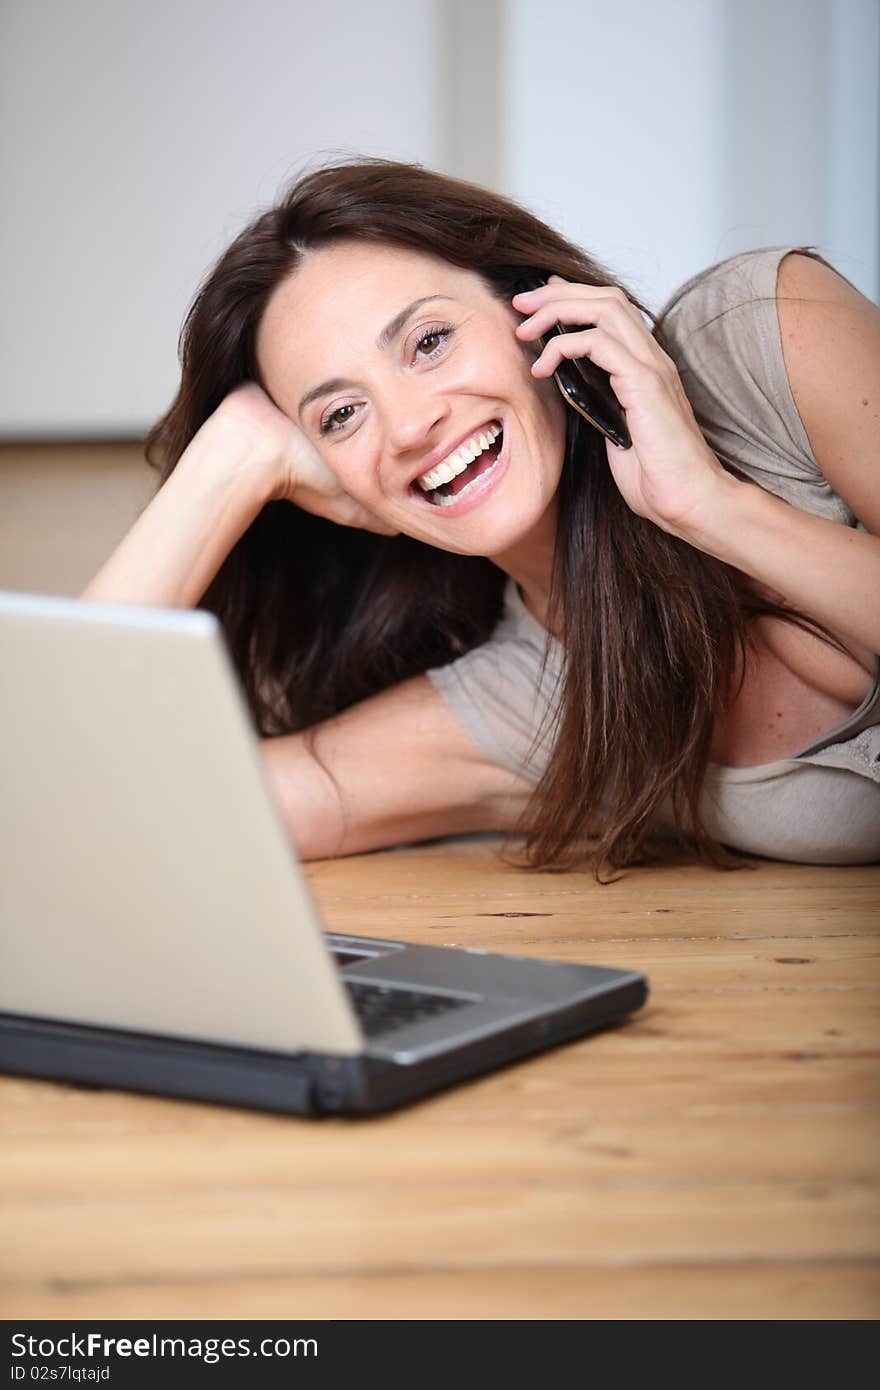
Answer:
(715, 1157)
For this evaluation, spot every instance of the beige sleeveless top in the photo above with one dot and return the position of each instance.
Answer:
(822, 804)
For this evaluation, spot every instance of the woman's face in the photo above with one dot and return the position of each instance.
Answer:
(392, 361)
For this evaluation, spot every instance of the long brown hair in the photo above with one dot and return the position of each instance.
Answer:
(319, 616)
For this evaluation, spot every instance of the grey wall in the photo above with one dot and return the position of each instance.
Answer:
(667, 137)
(136, 139)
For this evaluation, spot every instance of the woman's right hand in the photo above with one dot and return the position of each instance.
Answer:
(302, 475)
(247, 453)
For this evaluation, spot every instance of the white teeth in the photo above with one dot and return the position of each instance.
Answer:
(440, 500)
(458, 461)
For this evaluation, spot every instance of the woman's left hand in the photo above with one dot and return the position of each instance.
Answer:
(670, 474)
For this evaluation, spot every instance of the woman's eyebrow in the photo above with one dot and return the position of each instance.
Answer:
(391, 330)
(385, 338)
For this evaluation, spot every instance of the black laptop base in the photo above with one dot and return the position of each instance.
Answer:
(296, 1084)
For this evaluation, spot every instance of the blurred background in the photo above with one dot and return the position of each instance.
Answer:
(136, 141)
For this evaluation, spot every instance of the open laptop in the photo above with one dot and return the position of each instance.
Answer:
(157, 931)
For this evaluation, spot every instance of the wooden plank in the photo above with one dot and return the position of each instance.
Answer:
(456, 869)
(501, 923)
(840, 1146)
(464, 1225)
(747, 1021)
(743, 1291)
(583, 1080)
(713, 1157)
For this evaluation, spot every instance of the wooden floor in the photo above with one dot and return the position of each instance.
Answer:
(716, 1157)
(63, 510)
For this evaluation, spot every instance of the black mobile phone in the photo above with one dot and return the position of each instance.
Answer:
(584, 386)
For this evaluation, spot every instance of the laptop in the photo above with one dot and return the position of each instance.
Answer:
(158, 934)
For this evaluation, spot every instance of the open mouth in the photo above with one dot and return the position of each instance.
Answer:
(465, 473)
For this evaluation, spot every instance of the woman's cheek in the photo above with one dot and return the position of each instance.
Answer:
(356, 473)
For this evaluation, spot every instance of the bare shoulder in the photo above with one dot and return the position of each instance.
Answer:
(392, 769)
(831, 347)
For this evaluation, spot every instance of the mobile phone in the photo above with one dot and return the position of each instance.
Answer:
(584, 386)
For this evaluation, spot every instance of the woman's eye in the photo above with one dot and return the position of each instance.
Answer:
(336, 419)
(432, 343)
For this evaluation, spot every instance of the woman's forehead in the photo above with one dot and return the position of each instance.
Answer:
(356, 288)
(351, 257)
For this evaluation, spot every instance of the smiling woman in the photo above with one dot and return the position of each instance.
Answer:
(454, 603)
(409, 418)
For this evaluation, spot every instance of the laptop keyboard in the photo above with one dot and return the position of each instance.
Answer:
(381, 1009)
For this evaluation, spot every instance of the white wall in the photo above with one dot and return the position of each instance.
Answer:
(665, 137)
(136, 139)
(801, 126)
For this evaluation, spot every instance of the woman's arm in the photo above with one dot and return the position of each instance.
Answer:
(179, 541)
(831, 346)
(393, 769)
(831, 343)
(827, 570)
(246, 454)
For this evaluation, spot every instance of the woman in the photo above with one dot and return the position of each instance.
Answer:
(569, 637)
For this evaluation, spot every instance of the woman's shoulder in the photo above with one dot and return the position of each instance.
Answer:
(722, 330)
(739, 282)
(735, 300)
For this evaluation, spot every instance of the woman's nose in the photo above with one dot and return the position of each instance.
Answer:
(413, 418)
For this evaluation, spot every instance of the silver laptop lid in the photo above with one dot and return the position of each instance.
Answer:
(146, 881)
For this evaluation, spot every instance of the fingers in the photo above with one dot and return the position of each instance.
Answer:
(630, 375)
(604, 314)
(556, 288)
(601, 306)
(344, 511)
(594, 310)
